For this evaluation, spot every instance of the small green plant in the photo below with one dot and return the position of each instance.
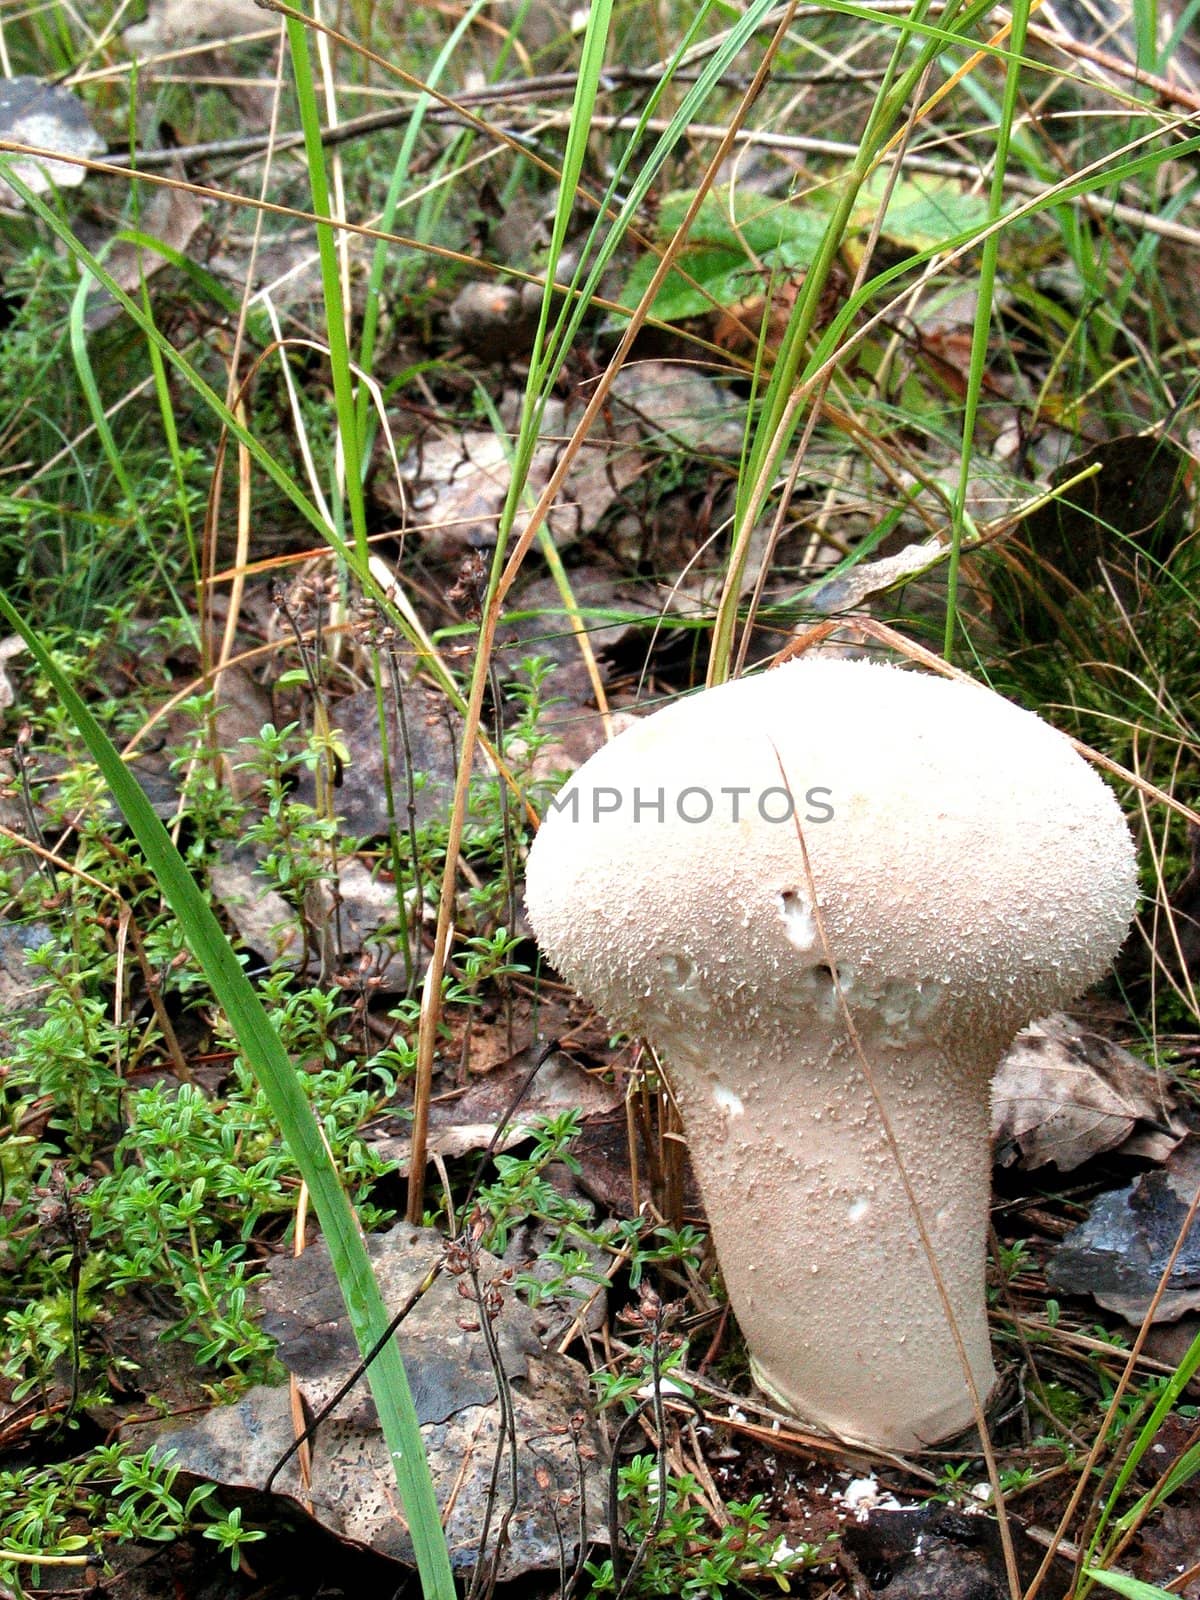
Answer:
(293, 843)
(956, 1480)
(230, 1536)
(1010, 1261)
(113, 1494)
(521, 1188)
(486, 959)
(680, 1553)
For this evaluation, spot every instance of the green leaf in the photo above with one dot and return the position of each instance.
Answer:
(923, 210)
(736, 242)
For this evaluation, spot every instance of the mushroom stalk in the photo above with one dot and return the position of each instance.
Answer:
(821, 1256)
(970, 872)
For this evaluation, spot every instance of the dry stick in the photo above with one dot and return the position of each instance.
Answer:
(231, 197)
(507, 842)
(300, 1420)
(16, 756)
(581, 1525)
(235, 401)
(1177, 1585)
(1115, 209)
(128, 929)
(45, 854)
(106, 74)
(1172, 93)
(804, 144)
(154, 992)
(801, 144)
(237, 587)
(623, 1579)
(485, 1575)
(515, 89)
(412, 944)
(214, 662)
(431, 1011)
(1071, 1339)
(431, 1016)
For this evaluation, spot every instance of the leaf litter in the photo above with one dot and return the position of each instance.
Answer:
(349, 1485)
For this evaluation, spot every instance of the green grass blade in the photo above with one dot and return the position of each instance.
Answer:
(1131, 1588)
(1148, 1431)
(373, 299)
(780, 416)
(331, 284)
(116, 461)
(981, 333)
(266, 1057)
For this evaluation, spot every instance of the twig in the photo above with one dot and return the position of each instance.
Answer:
(488, 1304)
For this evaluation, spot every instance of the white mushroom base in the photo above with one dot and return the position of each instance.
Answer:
(822, 1259)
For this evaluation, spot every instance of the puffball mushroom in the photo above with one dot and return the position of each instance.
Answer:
(966, 872)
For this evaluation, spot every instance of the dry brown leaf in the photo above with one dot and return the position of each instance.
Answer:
(169, 215)
(1063, 1094)
(353, 1487)
(471, 1121)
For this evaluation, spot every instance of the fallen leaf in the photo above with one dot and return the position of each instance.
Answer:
(265, 922)
(360, 800)
(169, 216)
(352, 1490)
(738, 242)
(847, 590)
(673, 401)
(1120, 1252)
(471, 1121)
(923, 211)
(51, 118)
(456, 482)
(1063, 1094)
(181, 22)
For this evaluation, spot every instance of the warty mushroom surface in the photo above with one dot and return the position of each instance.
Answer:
(971, 872)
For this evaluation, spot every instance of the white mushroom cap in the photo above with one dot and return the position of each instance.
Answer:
(972, 872)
